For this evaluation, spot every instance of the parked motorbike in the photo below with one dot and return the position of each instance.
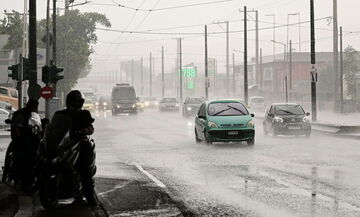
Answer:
(58, 174)
(14, 157)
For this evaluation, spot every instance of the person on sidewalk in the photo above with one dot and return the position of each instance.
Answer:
(79, 123)
(25, 144)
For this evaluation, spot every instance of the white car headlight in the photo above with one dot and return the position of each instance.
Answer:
(306, 119)
(105, 103)
(177, 105)
(251, 124)
(189, 108)
(156, 103)
(118, 106)
(134, 105)
(212, 125)
(278, 119)
(96, 103)
(146, 103)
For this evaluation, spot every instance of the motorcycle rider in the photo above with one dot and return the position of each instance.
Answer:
(79, 123)
(25, 144)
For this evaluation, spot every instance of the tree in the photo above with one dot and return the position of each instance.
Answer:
(351, 69)
(80, 36)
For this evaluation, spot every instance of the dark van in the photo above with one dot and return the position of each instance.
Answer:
(123, 99)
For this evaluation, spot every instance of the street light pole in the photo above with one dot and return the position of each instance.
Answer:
(245, 59)
(274, 48)
(313, 61)
(206, 67)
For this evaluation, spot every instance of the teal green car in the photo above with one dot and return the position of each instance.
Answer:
(224, 121)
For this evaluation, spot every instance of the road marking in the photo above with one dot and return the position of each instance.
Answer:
(153, 178)
(25, 206)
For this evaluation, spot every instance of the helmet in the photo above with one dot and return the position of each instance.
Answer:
(75, 100)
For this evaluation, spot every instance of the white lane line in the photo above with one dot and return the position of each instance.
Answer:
(153, 178)
(25, 207)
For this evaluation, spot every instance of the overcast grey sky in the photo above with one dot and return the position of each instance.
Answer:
(136, 45)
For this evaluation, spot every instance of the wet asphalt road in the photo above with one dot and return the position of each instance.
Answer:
(279, 176)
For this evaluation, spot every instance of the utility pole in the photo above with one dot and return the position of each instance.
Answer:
(290, 70)
(261, 70)
(341, 72)
(313, 60)
(256, 41)
(274, 52)
(150, 74)
(54, 57)
(180, 72)
(34, 88)
(162, 73)
(227, 59)
(245, 59)
(132, 73)
(233, 74)
(207, 82)
(24, 54)
(47, 101)
(142, 77)
(335, 55)
(286, 89)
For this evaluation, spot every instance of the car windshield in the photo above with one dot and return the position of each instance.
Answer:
(124, 93)
(148, 98)
(168, 100)
(227, 109)
(289, 110)
(196, 100)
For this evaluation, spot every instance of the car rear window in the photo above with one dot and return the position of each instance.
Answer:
(4, 91)
(289, 110)
(196, 100)
(227, 109)
(168, 100)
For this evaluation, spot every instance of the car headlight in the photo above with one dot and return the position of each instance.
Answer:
(189, 108)
(118, 106)
(306, 119)
(96, 103)
(177, 104)
(146, 103)
(278, 119)
(105, 103)
(212, 125)
(251, 124)
(134, 105)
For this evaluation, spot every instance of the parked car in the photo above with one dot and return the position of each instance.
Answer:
(9, 95)
(168, 104)
(191, 106)
(4, 115)
(149, 101)
(257, 103)
(285, 119)
(224, 121)
(123, 99)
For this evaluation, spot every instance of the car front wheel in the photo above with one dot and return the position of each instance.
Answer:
(207, 141)
(251, 141)
(197, 140)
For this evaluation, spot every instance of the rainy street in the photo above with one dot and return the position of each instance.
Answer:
(278, 176)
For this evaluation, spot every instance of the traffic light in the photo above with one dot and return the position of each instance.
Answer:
(15, 71)
(45, 77)
(54, 74)
(26, 69)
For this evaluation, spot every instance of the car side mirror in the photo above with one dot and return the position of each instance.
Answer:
(271, 115)
(202, 117)
(307, 113)
(252, 115)
(7, 121)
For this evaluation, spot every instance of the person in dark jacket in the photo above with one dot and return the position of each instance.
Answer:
(25, 145)
(79, 123)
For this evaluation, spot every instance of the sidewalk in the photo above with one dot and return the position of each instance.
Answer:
(133, 195)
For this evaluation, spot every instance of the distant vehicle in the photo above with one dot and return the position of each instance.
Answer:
(139, 104)
(4, 115)
(9, 95)
(89, 104)
(89, 94)
(257, 103)
(168, 104)
(224, 121)
(7, 106)
(287, 118)
(123, 99)
(191, 106)
(149, 101)
(103, 103)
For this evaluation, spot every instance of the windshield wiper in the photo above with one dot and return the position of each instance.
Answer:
(288, 112)
(236, 109)
(217, 113)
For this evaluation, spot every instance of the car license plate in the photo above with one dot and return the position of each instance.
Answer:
(294, 127)
(231, 133)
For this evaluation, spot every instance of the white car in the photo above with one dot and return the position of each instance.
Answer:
(169, 104)
(257, 103)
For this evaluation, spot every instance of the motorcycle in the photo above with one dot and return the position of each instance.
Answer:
(59, 176)
(16, 157)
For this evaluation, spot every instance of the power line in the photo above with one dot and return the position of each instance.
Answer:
(200, 33)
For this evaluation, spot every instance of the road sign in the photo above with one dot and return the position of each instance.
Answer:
(46, 92)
